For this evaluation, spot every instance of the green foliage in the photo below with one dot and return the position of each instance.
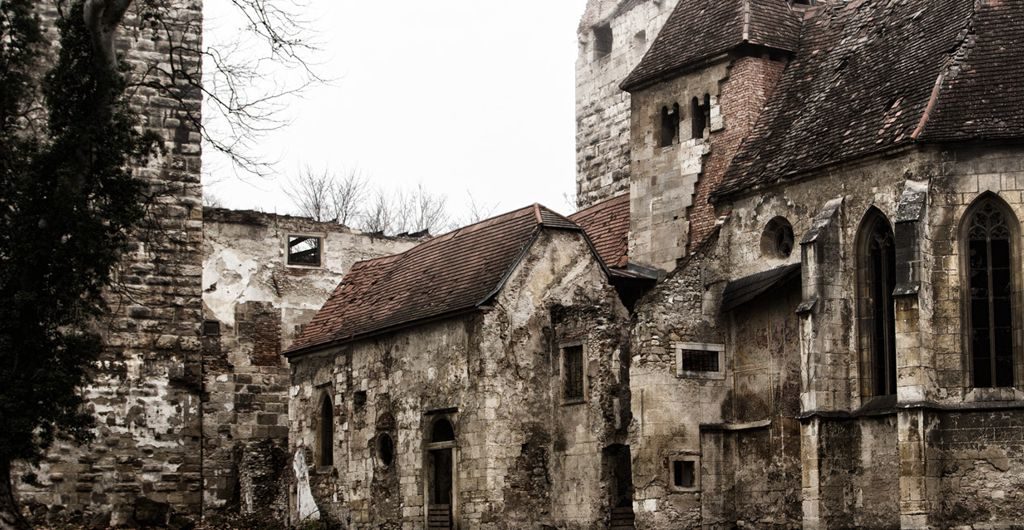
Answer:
(67, 204)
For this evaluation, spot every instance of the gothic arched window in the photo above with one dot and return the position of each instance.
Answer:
(876, 273)
(989, 241)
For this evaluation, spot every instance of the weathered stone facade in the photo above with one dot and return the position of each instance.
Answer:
(521, 453)
(146, 393)
(626, 29)
(254, 304)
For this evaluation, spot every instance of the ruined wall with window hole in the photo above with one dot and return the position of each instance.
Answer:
(255, 302)
(523, 457)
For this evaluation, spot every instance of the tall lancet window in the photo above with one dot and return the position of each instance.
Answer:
(990, 291)
(877, 312)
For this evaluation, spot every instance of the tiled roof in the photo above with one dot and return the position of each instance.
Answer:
(876, 75)
(698, 30)
(982, 94)
(607, 225)
(446, 275)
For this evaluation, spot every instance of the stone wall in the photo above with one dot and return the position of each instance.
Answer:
(254, 305)
(522, 456)
(602, 109)
(145, 462)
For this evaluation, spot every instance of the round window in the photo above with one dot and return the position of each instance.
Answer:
(385, 449)
(777, 240)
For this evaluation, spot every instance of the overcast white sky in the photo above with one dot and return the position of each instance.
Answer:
(462, 95)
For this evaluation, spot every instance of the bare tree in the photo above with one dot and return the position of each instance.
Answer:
(378, 218)
(347, 196)
(476, 211)
(323, 196)
(239, 102)
(313, 194)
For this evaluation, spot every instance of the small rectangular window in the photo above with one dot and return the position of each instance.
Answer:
(572, 373)
(684, 474)
(603, 41)
(700, 361)
(211, 328)
(695, 359)
(304, 250)
(669, 125)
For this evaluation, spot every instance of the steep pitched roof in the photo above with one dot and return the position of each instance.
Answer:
(982, 92)
(607, 225)
(449, 274)
(698, 30)
(876, 75)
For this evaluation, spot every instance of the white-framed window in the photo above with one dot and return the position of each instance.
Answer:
(304, 250)
(700, 360)
(684, 473)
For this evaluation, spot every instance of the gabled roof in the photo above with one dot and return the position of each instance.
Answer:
(877, 75)
(607, 225)
(698, 30)
(450, 274)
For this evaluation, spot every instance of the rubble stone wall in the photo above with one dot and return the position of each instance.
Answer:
(256, 304)
(522, 456)
(145, 462)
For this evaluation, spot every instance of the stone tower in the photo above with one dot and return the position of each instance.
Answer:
(145, 462)
(613, 37)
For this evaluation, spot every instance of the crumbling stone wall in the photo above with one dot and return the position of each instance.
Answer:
(144, 466)
(602, 109)
(522, 456)
(255, 304)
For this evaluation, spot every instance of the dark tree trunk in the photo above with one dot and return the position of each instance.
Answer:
(10, 513)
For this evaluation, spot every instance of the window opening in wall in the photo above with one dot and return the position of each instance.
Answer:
(700, 116)
(990, 283)
(777, 240)
(669, 125)
(304, 250)
(684, 474)
(700, 361)
(359, 399)
(326, 428)
(442, 432)
(385, 449)
(640, 39)
(572, 373)
(211, 328)
(603, 41)
(877, 277)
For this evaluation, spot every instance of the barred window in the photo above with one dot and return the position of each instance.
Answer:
(700, 361)
(572, 373)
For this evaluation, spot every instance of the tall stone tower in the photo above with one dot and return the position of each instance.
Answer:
(613, 37)
(145, 462)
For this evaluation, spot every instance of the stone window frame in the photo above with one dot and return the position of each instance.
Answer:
(679, 347)
(669, 121)
(322, 236)
(320, 435)
(684, 457)
(1016, 304)
(866, 351)
(562, 373)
